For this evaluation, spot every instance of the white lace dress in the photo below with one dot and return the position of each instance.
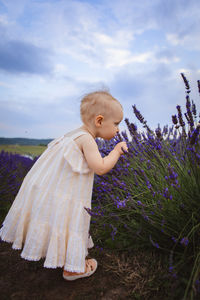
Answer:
(47, 218)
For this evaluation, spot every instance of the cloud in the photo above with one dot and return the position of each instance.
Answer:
(179, 20)
(39, 119)
(134, 14)
(155, 92)
(22, 57)
(3, 20)
(185, 40)
(166, 56)
(137, 48)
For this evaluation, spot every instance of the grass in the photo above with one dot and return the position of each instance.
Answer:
(23, 150)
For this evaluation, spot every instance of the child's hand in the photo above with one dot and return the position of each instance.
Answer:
(121, 148)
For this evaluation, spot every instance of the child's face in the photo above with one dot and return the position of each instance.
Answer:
(110, 125)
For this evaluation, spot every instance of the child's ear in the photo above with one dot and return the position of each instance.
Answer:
(98, 120)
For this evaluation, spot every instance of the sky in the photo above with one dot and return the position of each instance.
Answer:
(53, 52)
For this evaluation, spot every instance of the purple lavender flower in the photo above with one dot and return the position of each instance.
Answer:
(114, 231)
(124, 134)
(174, 240)
(172, 175)
(146, 217)
(198, 83)
(121, 204)
(153, 243)
(186, 82)
(140, 118)
(140, 203)
(174, 119)
(187, 118)
(131, 127)
(159, 204)
(195, 134)
(194, 111)
(91, 212)
(188, 115)
(13, 169)
(184, 241)
(197, 285)
(166, 194)
(165, 130)
(158, 133)
(99, 248)
(138, 114)
(180, 116)
(171, 267)
(149, 166)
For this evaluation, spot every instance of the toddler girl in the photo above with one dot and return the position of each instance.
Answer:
(47, 216)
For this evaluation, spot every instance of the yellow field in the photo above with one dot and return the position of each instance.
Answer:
(23, 150)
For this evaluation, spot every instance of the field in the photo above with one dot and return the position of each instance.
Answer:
(120, 275)
(23, 150)
(145, 219)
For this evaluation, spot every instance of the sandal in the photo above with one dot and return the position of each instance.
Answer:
(90, 268)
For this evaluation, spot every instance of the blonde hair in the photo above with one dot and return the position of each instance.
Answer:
(96, 103)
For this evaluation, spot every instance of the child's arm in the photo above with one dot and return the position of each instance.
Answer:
(94, 159)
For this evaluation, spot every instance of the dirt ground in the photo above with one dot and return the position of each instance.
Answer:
(117, 277)
(21, 279)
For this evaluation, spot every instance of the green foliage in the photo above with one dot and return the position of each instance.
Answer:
(152, 198)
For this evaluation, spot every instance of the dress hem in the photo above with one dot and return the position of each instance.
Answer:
(29, 258)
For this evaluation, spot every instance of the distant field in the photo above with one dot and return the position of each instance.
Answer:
(21, 149)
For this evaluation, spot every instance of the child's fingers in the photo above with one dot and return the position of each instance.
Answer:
(122, 147)
(124, 150)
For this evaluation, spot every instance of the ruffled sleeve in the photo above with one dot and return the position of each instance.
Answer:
(75, 158)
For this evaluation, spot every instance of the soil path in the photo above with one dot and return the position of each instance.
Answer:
(21, 279)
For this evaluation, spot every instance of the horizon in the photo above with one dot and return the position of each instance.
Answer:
(17, 137)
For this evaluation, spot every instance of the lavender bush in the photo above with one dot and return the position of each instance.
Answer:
(152, 197)
(13, 169)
